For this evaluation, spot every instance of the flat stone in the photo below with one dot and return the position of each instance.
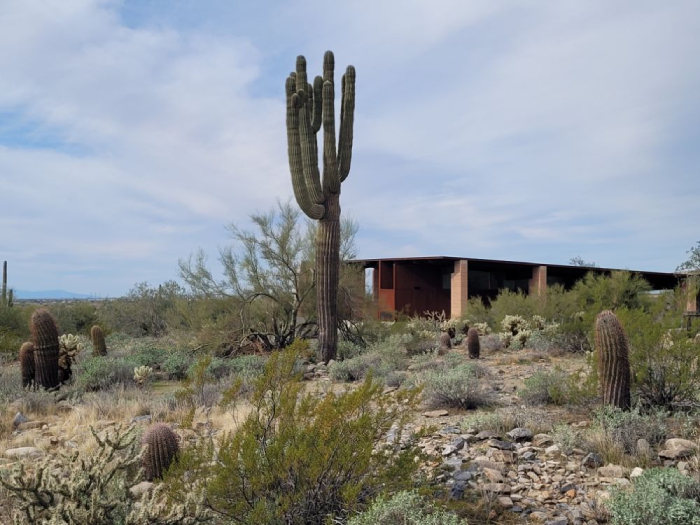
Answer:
(675, 454)
(503, 456)
(23, 452)
(487, 434)
(542, 440)
(140, 489)
(505, 502)
(612, 471)
(554, 450)
(497, 488)
(679, 444)
(462, 475)
(643, 448)
(30, 425)
(500, 445)
(636, 472)
(436, 413)
(459, 443)
(493, 475)
(520, 434)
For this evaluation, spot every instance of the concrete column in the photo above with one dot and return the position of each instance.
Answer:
(459, 289)
(691, 289)
(538, 283)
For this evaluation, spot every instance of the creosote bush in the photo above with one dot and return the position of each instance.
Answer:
(454, 387)
(556, 387)
(300, 458)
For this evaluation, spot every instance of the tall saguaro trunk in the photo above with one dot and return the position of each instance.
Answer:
(4, 283)
(309, 107)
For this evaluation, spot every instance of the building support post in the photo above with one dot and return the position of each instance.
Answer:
(538, 283)
(459, 295)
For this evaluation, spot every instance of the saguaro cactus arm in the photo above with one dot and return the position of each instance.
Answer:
(347, 117)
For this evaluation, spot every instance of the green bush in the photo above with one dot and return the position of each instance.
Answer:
(99, 373)
(381, 358)
(454, 387)
(176, 365)
(148, 355)
(248, 366)
(625, 428)
(300, 458)
(556, 387)
(75, 317)
(404, 508)
(14, 329)
(660, 497)
(348, 349)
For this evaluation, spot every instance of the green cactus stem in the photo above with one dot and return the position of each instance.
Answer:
(26, 364)
(310, 107)
(3, 295)
(99, 347)
(46, 349)
(161, 449)
(613, 360)
(473, 345)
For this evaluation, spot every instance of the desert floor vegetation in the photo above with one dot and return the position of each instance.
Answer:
(397, 427)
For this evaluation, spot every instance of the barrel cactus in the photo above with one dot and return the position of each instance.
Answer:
(445, 342)
(98, 341)
(26, 363)
(46, 349)
(613, 360)
(473, 345)
(161, 450)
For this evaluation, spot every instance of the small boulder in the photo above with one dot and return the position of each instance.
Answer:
(23, 452)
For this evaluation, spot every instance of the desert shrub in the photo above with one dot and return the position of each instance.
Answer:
(620, 289)
(10, 383)
(299, 458)
(624, 428)
(67, 487)
(381, 358)
(567, 437)
(514, 304)
(491, 342)
(454, 387)
(100, 373)
(14, 329)
(147, 355)
(556, 387)
(75, 317)
(664, 361)
(662, 496)
(505, 419)
(176, 365)
(348, 349)
(404, 508)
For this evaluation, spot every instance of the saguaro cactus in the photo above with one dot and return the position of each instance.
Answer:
(3, 296)
(161, 449)
(46, 348)
(473, 345)
(99, 347)
(308, 108)
(26, 363)
(613, 360)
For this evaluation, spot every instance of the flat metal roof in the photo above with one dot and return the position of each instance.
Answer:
(448, 258)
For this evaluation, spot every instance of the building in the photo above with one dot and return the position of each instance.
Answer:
(419, 284)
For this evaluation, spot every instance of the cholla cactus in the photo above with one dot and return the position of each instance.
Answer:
(551, 328)
(578, 316)
(521, 338)
(667, 340)
(70, 487)
(506, 338)
(69, 346)
(482, 328)
(538, 322)
(142, 374)
(449, 324)
(514, 324)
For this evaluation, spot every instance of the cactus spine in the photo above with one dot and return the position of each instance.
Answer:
(473, 345)
(161, 449)
(46, 349)
(308, 108)
(613, 360)
(97, 336)
(26, 364)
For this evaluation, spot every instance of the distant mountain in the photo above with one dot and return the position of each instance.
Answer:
(49, 294)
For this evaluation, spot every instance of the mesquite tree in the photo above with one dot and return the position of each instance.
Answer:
(310, 107)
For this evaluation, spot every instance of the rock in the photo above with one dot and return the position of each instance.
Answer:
(140, 489)
(503, 456)
(612, 471)
(23, 452)
(542, 440)
(30, 425)
(457, 490)
(643, 448)
(557, 521)
(462, 475)
(436, 413)
(19, 419)
(497, 488)
(487, 434)
(679, 444)
(675, 454)
(520, 434)
(554, 450)
(592, 460)
(500, 445)
(636, 472)
(493, 475)
(505, 502)
(458, 443)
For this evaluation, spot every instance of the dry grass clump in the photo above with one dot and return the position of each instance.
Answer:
(505, 419)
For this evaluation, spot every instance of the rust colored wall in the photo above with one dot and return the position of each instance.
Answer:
(419, 288)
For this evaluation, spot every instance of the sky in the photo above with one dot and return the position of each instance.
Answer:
(133, 132)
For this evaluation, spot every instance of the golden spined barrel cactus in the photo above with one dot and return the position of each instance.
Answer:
(98, 341)
(69, 347)
(473, 345)
(46, 349)
(161, 450)
(613, 360)
(26, 363)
